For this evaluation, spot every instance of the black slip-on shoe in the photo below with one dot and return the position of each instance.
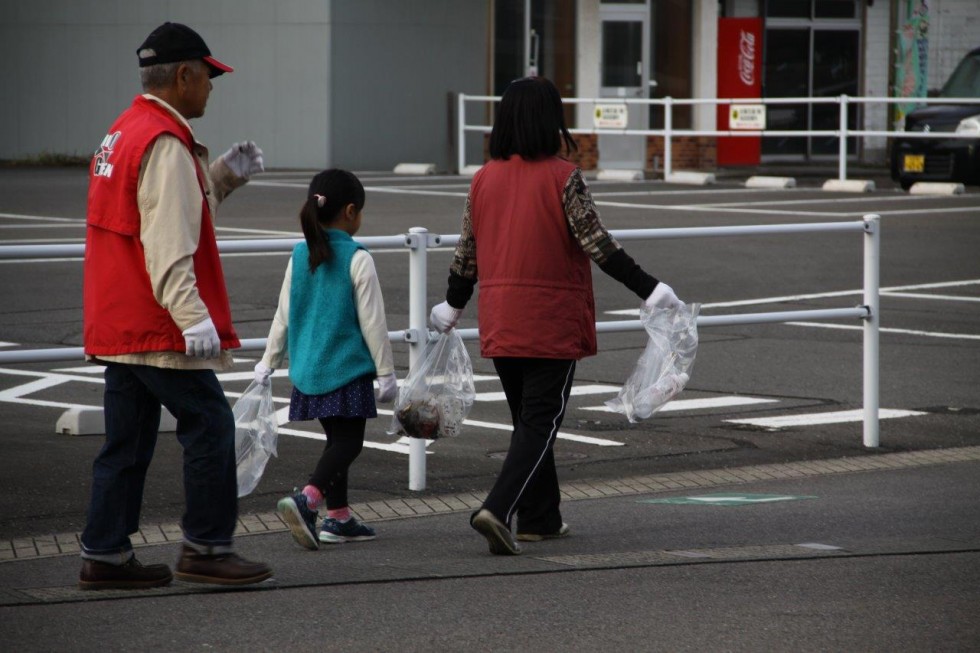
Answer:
(498, 536)
(538, 537)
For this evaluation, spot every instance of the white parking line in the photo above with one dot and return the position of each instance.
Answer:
(577, 390)
(701, 404)
(813, 419)
(796, 298)
(908, 332)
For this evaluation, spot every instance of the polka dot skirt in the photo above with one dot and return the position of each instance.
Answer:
(356, 399)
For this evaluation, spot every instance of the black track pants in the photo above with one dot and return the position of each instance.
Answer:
(537, 392)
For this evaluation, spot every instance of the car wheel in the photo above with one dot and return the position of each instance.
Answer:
(905, 184)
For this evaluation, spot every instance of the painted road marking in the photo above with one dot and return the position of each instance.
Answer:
(796, 298)
(909, 332)
(729, 499)
(577, 390)
(814, 419)
(700, 404)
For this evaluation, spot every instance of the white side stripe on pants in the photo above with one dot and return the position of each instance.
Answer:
(551, 439)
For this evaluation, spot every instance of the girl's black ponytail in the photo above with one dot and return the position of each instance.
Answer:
(316, 240)
(330, 192)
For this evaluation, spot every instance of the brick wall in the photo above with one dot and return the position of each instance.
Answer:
(687, 153)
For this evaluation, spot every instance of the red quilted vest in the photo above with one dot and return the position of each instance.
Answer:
(535, 281)
(121, 315)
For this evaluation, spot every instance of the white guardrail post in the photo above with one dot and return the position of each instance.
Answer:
(417, 240)
(668, 126)
(460, 133)
(842, 145)
(872, 323)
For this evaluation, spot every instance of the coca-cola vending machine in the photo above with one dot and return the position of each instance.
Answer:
(739, 76)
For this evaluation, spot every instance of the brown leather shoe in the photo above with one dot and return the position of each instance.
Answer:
(220, 569)
(97, 575)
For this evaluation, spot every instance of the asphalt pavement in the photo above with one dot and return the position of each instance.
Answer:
(785, 533)
(818, 557)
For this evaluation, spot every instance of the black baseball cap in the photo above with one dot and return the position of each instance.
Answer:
(175, 42)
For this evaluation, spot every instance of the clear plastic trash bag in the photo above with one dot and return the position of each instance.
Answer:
(665, 366)
(256, 434)
(438, 393)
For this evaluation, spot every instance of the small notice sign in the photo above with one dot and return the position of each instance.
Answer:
(747, 116)
(610, 116)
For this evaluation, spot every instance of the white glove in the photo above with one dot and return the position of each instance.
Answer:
(387, 388)
(244, 159)
(201, 340)
(262, 373)
(444, 317)
(662, 297)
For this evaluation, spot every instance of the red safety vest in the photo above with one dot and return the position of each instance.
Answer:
(535, 298)
(121, 315)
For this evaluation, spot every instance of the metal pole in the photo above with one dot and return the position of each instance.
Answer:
(461, 133)
(668, 125)
(872, 264)
(418, 241)
(842, 146)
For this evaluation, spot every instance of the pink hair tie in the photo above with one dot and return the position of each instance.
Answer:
(320, 200)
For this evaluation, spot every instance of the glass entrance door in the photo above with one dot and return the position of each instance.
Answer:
(624, 71)
(812, 49)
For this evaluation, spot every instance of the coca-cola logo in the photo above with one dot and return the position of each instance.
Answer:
(746, 58)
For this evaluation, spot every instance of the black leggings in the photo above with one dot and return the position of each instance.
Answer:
(345, 439)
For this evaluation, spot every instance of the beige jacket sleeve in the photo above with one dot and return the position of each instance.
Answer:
(169, 199)
(277, 343)
(371, 311)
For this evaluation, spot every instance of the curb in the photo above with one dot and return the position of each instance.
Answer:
(63, 544)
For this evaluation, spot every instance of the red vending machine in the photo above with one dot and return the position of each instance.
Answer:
(739, 76)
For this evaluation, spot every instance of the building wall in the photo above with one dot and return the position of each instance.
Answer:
(395, 67)
(357, 83)
(875, 75)
(954, 30)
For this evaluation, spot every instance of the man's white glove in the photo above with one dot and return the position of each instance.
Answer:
(444, 317)
(244, 159)
(262, 373)
(387, 388)
(662, 297)
(201, 340)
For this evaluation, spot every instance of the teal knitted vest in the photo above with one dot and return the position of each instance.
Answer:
(326, 348)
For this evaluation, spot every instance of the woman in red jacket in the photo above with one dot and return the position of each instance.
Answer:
(530, 229)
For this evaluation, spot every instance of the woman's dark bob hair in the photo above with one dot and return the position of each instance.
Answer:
(530, 121)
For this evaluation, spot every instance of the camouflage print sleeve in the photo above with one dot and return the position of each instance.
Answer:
(583, 220)
(464, 260)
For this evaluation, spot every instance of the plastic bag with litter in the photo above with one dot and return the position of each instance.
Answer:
(665, 366)
(256, 434)
(438, 393)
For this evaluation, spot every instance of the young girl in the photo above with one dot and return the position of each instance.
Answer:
(332, 316)
(530, 229)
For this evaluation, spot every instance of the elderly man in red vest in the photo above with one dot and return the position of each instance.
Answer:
(157, 316)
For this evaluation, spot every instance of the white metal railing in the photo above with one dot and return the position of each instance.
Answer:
(843, 132)
(418, 241)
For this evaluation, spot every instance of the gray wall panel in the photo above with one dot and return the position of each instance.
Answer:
(395, 65)
(378, 86)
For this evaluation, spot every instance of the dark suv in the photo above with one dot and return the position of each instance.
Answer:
(935, 159)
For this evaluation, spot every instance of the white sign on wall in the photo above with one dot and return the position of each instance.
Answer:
(612, 116)
(747, 116)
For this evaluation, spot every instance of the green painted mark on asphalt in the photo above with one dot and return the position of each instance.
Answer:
(729, 499)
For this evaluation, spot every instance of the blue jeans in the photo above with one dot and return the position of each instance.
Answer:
(206, 431)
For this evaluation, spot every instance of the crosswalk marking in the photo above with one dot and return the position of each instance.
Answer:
(812, 419)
